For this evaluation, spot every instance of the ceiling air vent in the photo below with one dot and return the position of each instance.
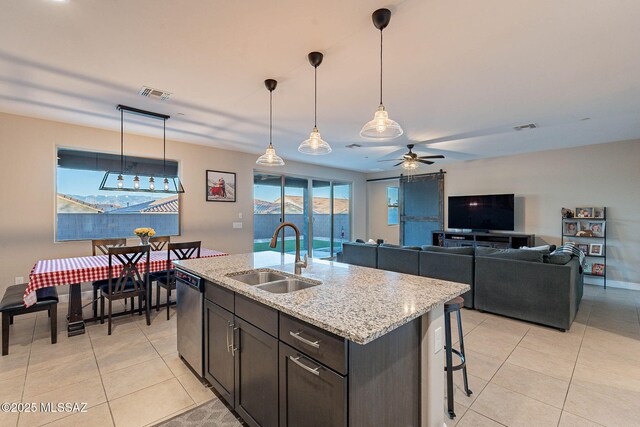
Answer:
(152, 93)
(352, 146)
(527, 126)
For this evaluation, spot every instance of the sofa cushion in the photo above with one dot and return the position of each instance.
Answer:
(465, 250)
(513, 254)
(413, 248)
(559, 258)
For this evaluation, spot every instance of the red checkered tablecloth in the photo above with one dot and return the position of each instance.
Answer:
(67, 271)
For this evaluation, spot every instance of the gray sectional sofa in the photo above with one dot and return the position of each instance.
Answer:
(523, 284)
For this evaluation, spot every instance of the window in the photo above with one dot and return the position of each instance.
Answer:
(392, 206)
(83, 212)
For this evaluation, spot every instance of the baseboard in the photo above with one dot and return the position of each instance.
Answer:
(618, 284)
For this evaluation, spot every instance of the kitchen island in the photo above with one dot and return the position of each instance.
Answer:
(358, 347)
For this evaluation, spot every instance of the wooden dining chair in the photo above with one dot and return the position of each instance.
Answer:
(158, 243)
(180, 251)
(101, 247)
(128, 278)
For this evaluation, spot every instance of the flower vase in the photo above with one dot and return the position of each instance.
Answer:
(144, 240)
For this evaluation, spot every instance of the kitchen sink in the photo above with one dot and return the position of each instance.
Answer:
(258, 277)
(287, 285)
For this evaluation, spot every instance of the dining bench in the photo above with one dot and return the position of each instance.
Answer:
(12, 305)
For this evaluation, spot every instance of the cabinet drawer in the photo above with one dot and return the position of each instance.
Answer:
(323, 346)
(311, 395)
(221, 296)
(258, 314)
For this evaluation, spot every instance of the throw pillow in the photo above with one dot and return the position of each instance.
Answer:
(514, 254)
(465, 250)
(413, 248)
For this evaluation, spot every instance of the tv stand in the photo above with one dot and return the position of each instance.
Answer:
(481, 239)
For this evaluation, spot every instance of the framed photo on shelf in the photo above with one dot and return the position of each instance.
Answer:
(584, 212)
(221, 186)
(596, 228)
(598, 269)
(595, 249)
(598, 213)
(567, 213)
(571, 228)
(584, 248)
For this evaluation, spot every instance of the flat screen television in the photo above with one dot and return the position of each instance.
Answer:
(481, 212)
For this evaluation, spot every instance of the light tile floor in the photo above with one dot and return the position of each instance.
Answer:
(520, 374)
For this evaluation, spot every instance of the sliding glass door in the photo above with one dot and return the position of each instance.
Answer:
(320, 209)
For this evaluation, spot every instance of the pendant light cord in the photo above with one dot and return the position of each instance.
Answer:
(380, 67)
(270, 116)
(164, 147)
(315, 96)
(121, 141)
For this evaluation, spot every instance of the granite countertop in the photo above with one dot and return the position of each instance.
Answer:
(357, 303)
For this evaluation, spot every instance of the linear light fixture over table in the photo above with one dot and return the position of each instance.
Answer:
(315, 145)
(381, 127)
(170, 184)
(270, 158)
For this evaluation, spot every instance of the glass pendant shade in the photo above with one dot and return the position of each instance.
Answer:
(381, 127)
(270, 158)
(120, 181)
(315, 145)
(152, 184)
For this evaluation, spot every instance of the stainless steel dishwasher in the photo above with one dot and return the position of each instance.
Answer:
(190, 307)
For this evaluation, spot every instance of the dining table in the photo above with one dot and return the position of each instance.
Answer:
(77, 270)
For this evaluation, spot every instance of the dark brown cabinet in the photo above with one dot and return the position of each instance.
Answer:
(219, 360)
(310, 393)
(256, 375)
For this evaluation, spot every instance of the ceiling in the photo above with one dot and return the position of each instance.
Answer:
(458, 74)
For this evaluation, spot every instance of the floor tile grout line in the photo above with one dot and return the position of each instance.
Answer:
(564, 402)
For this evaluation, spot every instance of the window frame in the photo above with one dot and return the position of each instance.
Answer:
(391, 206)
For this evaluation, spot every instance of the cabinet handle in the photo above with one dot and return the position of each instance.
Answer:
(296, 360)
(233, 341)
(296, 335)
(229, 346)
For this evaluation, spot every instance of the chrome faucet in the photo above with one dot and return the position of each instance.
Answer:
(274, 240)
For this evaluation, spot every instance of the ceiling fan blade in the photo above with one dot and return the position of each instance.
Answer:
(436, 156)
(390, 160)
(398, 164)
(426, 162)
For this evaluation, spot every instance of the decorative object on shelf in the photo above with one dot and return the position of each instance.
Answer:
(590, 231)
(381, 127)
(221, 186)
(596, 227)
(570, 228)
(144, 234)
(567, 213)
(315, 145)
(598, 212)
(584, 212)
(171, 183)
(595, 249)
(269, 158)
(598, 269)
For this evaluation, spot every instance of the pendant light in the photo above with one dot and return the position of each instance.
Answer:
(381, 127)
(315, 145)
(270, 158)
(171, 183)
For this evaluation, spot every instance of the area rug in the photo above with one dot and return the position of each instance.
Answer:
(212, 413)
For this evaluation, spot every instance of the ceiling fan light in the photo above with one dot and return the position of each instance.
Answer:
(120, 181)
(381, 127)
(410, 165)
(270, 158)
(315, 145)
(136, 182)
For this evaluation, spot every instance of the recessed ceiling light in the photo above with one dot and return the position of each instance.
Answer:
(526, 126)
(585, 118)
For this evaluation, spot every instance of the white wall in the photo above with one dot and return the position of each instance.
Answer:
(27, 215)
(377, 227)
(544, 182)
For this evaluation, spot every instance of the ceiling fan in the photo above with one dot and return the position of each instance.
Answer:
(413, 158)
